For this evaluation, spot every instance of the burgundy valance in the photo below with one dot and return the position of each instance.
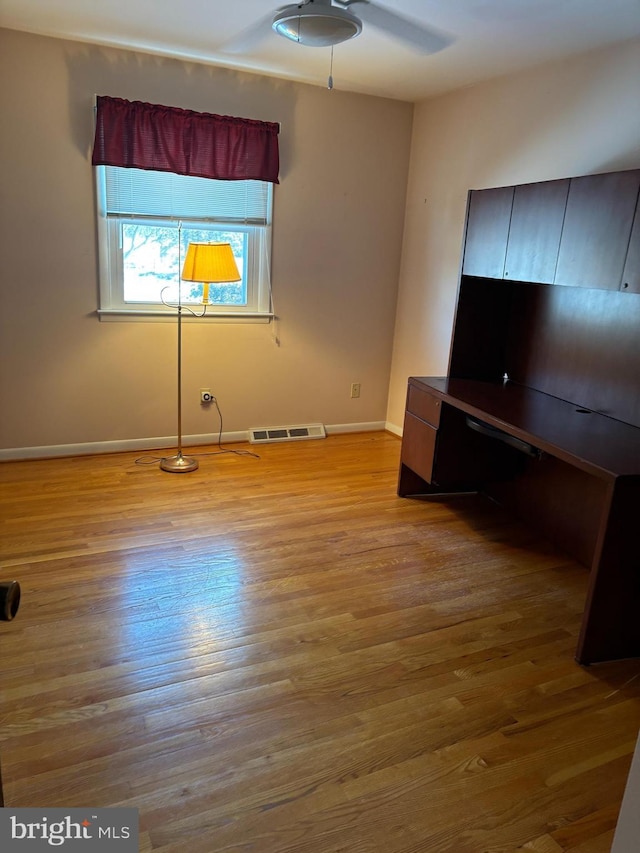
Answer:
(169, 139)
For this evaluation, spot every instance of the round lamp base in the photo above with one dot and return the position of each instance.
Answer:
(178, 464)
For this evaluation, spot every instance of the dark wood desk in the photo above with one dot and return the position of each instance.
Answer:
(572, 473)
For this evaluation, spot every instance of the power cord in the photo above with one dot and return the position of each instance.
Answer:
(152, 460)
(222, 449)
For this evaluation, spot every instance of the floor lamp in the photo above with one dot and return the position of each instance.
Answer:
(205, 263)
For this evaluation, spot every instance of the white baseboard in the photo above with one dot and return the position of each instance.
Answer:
(372, 426)
(136, 444)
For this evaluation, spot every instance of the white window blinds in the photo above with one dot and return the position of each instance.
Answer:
(138, 192)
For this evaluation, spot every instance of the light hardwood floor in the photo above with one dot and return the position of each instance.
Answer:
(279, 655)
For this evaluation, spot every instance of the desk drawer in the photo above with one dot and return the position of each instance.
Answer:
(423, 405)
(418, 446)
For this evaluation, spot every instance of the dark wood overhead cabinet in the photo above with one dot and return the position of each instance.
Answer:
(536, 228)
(597, 227)
(487, 232)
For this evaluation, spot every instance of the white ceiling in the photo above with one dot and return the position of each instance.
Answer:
(491, 37)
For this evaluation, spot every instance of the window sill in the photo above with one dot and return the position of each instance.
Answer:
(135, 315)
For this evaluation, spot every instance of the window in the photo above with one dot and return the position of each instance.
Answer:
(146, 219)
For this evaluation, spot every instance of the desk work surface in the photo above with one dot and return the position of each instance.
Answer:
(590, 440)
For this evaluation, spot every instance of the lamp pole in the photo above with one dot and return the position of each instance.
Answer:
(179, 464)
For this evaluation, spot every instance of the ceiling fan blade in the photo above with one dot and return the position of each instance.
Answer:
(416, 35)
(250, 37)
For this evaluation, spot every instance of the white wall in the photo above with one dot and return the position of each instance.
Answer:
(67, 379)
(628, 828)
(340, 222)
(568, 118)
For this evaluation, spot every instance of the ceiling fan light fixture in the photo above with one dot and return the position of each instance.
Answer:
(316, 26)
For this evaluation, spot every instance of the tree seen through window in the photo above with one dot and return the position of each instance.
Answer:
(152, 258)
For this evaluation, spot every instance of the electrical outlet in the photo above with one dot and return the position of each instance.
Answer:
(206, 396)
(355, 389)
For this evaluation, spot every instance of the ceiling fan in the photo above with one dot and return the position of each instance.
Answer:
(324, 23)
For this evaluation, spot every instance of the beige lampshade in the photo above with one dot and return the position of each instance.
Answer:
(210, 263)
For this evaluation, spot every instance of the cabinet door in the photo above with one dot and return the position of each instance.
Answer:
(536, 227)
(631, 274)
(487, 232)
(418, 446)
(596, 230)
